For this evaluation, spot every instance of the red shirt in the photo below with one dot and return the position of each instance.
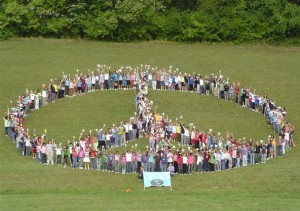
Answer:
(92, 153)
(179, 160)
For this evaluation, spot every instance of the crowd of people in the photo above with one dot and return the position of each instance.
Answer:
(172, 146)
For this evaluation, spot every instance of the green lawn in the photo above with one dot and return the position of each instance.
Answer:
(28, 63)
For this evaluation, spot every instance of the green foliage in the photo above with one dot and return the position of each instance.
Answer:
(129, 20)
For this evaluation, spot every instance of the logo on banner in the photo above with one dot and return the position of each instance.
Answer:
(156, 179)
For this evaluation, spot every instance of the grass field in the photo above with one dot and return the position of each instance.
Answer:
(28, 63)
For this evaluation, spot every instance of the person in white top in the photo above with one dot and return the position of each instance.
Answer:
(93, 81)
(128, 156)
(27, 146)
(58, 155)
(49, 152)
(186, 137)
(184, 163)
(199, 162)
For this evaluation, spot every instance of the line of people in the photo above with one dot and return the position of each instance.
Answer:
(207, 151)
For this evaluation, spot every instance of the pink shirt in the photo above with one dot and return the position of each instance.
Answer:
(175, 157)
(191, 159)
(133, 158)
(43, 149)
(123, 160)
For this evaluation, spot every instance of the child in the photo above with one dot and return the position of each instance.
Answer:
(123, 160)
(43, 151)
(66, 154)
(86, 159)
(104, 162)
(199, 162)
(98, 160)
(58, 155)
(34, 149)
(110, 162)
(81, 157)
(134, 162)
(140, 173)
(184, 164)
(74, 157)
(212, 162)
(117, 162)
(191, 159)
(171, 170)
(179, 162)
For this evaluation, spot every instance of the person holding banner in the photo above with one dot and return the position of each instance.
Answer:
(171, 170)
(140, 173)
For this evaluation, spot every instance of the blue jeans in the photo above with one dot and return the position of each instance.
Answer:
(98, 161)
(263, 157)
(58, 159)
(190, 168)
(252, 160)
(117, 166)
(39, 157)
(150, 166)
(205, 166)
(286, 144)
(134, 166)
(199, 167)
(256, 157)
(117, 140)
(27, 151)
(20, 146)
(180, 169)
(134, 134)
(53, 97)
(93, 163)
(74, 164)
(163, 167)
(144, 166)
(128, 167)
(233, 162)
(226, 96)
(185, 140)
(223, 163)
(80, 162)
(244, 160)
(280, 150)
(238, 161)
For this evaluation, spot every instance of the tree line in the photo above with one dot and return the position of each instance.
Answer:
(175, 20)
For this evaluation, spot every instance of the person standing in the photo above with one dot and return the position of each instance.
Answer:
(74, 157)
(49, 152)
(117, 162)
(191, 159)
(244, 152)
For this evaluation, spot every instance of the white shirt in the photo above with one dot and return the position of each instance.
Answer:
(199, 159)
(128, 157)
(184, 159)
(58, 151)
(201, 82)
(186, 132)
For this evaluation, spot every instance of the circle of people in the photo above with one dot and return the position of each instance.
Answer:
(172, 146)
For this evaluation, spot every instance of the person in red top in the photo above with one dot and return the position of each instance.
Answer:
(179, 162)
(237, 93)
(206, 160)
(197, 139)
(93, 158)
(230, 153)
